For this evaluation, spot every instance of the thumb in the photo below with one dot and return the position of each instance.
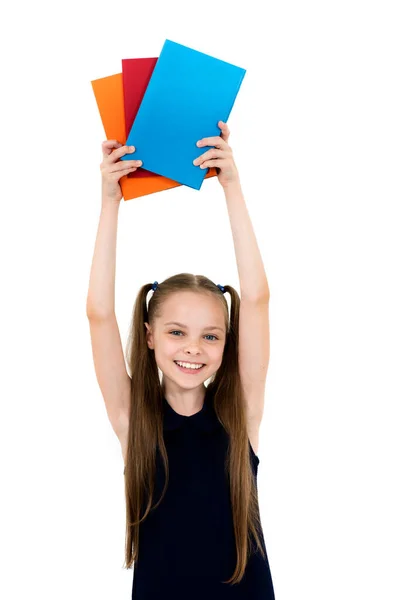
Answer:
(225, 133)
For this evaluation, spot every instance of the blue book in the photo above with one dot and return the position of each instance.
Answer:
(188, 93)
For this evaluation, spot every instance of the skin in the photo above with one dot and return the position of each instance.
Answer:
(219, 156)
(186, 392)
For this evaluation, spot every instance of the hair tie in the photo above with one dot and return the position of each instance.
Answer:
(221, 287)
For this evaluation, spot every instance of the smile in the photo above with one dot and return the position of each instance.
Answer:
(190, 370)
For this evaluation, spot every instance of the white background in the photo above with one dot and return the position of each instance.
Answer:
(315, 134)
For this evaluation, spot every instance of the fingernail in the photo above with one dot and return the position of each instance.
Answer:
(131, 148)
(198, 143)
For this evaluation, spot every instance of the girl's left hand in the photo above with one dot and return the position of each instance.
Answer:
(220, 156)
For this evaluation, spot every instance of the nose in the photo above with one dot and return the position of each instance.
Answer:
(192, 348)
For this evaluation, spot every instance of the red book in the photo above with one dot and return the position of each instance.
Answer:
(136, 74)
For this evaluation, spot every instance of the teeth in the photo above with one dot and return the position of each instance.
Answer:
(188, 365)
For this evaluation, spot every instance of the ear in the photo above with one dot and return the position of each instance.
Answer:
(149, 336)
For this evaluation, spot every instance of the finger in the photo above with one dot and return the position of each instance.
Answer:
(213, 153)
(124, 164)
(225, 133)
(108, 146)
(116, 154)
(125, 172)
(121, 173)
(216, 162)
(216, 141)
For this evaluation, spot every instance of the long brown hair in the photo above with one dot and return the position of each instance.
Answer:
(146, 420)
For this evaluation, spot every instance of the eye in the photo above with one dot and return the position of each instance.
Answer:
(207, 335)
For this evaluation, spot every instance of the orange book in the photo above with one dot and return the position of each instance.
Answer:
(109, 94)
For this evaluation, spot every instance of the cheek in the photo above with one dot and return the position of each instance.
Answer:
(216, 354)
(168, 349)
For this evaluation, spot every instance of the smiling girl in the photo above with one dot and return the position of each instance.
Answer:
(190, 448)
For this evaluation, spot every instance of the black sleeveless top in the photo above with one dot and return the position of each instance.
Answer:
(186, 545)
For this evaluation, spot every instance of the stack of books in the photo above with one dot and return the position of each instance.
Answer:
(163, 106)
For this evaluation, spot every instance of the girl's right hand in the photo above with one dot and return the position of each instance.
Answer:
(112, 169)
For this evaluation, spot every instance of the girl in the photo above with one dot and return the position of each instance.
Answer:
(193, 528)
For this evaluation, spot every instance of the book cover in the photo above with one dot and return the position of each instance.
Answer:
(136, 74)
(109, 95)
(188, 93)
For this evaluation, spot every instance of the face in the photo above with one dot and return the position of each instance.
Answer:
(199, 339)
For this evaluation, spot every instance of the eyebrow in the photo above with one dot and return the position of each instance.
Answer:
(211, 327)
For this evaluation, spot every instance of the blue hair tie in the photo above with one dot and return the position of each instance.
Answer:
(221, 287)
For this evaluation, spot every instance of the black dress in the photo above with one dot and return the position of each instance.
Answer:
(186, 545)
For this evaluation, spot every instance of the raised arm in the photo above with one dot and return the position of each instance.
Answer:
(108, 356)
(100, 299)
(254, 336)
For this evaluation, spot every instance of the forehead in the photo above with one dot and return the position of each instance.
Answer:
(193, 307)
